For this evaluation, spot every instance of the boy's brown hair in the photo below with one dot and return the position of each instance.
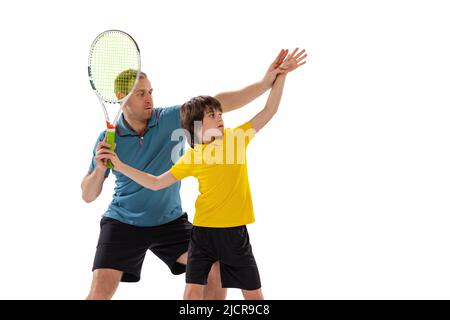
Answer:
(194, 110)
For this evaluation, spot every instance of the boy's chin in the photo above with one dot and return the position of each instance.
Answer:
(213, 137)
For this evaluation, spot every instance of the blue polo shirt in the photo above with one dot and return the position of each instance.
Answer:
(132, 203)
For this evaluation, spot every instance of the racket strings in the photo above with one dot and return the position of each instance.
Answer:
(114, 53)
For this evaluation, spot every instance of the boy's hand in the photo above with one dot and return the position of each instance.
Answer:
(273, 70)
(293, 61)
(111, 155)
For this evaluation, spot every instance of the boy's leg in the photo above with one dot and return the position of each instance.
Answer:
(203, 270)
(252, 294)
(194, 291)
(238, 265)
(213, 289)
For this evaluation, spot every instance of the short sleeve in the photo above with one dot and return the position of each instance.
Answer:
(184, 166)
(92, 165)
(245, 131)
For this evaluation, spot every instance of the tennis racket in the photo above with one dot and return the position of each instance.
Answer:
(114, 67)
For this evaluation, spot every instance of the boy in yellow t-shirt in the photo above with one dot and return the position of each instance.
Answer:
(217, 158)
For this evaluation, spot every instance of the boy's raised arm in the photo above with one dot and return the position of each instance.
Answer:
(232, 100)
(292, 62)
(264, 116)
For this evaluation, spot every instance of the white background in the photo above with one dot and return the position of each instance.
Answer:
(350, 180)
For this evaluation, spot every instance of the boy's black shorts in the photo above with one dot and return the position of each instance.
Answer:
(231, 247)
(123, 247)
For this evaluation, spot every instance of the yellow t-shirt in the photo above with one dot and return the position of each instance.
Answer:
(221, 169)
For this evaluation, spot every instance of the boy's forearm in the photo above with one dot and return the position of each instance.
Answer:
(144, 179)
(276, 93)
(233, 100)
(271, 107)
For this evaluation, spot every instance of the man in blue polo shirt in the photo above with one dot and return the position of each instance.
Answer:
(139, 219)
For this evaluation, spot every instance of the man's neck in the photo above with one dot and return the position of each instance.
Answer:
(138, 126)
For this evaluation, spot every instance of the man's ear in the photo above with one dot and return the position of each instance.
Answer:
(120, 95)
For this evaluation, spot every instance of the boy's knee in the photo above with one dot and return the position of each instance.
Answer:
(253, 294)
(214, 290)
(193, 292)
(214, 273)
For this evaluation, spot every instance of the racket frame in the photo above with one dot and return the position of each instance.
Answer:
(111, 126)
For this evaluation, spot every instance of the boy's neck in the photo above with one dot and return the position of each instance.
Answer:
(210, 141)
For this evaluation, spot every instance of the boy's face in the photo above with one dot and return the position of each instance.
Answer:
(140, 104)
(212, 125)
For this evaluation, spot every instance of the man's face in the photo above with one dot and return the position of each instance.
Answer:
(140, 104)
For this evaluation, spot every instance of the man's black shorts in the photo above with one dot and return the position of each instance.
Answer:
(123, 247)
(231, 247)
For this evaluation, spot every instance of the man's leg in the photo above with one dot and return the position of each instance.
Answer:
(120, 252)
(213, 289)
(104, 284)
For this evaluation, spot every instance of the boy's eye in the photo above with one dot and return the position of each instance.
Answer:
(211, 115)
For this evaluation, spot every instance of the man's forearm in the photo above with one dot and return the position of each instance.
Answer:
(232, 100)
(92, 185)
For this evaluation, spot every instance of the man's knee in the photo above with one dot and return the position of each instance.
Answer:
(183, 258)
(104, 284)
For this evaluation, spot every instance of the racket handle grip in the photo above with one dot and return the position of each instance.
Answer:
(110, 139)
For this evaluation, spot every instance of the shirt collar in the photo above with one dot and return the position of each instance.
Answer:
(124, 130)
